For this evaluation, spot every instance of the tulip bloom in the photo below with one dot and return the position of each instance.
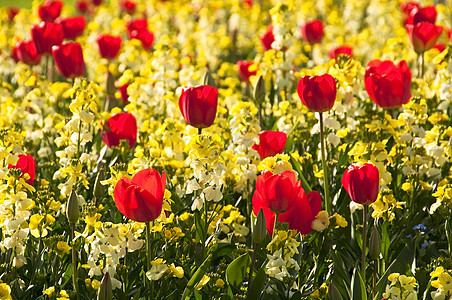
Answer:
(408, 7)
(50, 10)
(69, 59)
(270, 143)
(12, 12)
(388, 85)
(361, 183)
(281, 193)
(137, 25)
(424, 14)
(45, 35)
(27, 53)
(26, 164)
(198, 105)
(317, 92)
(122, 126)
(268, 38)
(127, 6)
(244, 70)
(108, 45)
(72, 27)
(345, 50)
(312, 32)
(145, 36)
(423, 35)
(140, 198)
(123, 91)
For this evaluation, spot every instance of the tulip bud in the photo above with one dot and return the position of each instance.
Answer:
(98, 187)
(259, 90)
(374, 243)
(333, 292)
(260, 228)
(72, 209)
(105, 290)
(208, 80)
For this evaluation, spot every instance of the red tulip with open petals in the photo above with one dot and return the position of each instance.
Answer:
(387, 84)
(362, 183)
(50, 10)
(198, 105)
(423, 35)
(108, 45)
(140, 198)
(26, 164)
(312, 32)
(122, 126)
(69, 59)
(344, 50)
(317, 92)
(27, 53)
(45, 35)
(72, 27)
(270, 143)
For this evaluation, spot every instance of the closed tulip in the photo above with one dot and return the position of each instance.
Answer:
(270, 143)
(312, 32)
(50, 10)
(140, 198)
(423, 35)
(136, 25)
(361, 183)
(408, 7)
(122, 126)
(145, 36)
(69, 59)
(27, 165)
(108, 45)
(388, 85)
(127, 6)
(45, 35)
(317, 92)
(244, 70)
(123, 91)
(198, 105)
(344, 50)
(72, 27)
(424, 14)
(27, 53)
(268, 38)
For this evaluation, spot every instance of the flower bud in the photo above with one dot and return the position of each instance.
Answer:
(374, 243)
(259, 90)
(98, 187)
(72, 209)
(260, 228)
(333, 293)
(105, 290)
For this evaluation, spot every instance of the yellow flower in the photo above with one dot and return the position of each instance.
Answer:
(340, 220)
(63, 247)
(321, 221)
(219, 283)
(204, 280)
(438, 271)
(5, 292)
(95, 284)
(49, 291)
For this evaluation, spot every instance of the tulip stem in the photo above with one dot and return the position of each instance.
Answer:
(148, 253)
(253, 261)
(199, 131)
(421, 65)
(364, 238)
(326, 185)
(74, 261)
(274, 225)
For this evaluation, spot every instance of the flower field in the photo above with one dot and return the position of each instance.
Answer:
(230, 149)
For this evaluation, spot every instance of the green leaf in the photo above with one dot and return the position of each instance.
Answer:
(304, 183)
(257, 285)
(236, 271)
(358, 291)
(197, 276)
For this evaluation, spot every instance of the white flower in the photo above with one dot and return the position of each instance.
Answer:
(156, 271)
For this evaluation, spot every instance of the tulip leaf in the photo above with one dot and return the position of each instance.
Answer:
(197, 276)
(304, 183)
(358, 291)
(259, 90)
(236, 271)
(257, 285)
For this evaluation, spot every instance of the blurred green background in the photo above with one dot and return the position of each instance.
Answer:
(25, 3)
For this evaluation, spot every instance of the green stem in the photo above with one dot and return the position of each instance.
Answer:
(326, 185)
(74, 261)
(364, 238)
(274, 225)
(253, 261)
(199, 131)
(148, 253)
(421, 65)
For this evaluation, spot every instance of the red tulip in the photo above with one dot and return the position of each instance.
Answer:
(97, 2)
(123, 91)
(244, 70)
(12, 12)
(270, 143)
(141, 198)
(312, 32)
(449, 34)
(388, 85)
(122, 126)
(408, 7)
(440, 47)
(15, 53)
(268, 38)
(425, 14)
(137, 25)
(301, 210)
(145, 36)
(361, 183)
(199, 105)
(345, 50)
(317, 92)
(27, 53)
(50, 10)
(26, 164)
(108, 45)
(127, 6)
(69, 59)
(72, 27)
(423, 35)
(82, 6)
(45, 35)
